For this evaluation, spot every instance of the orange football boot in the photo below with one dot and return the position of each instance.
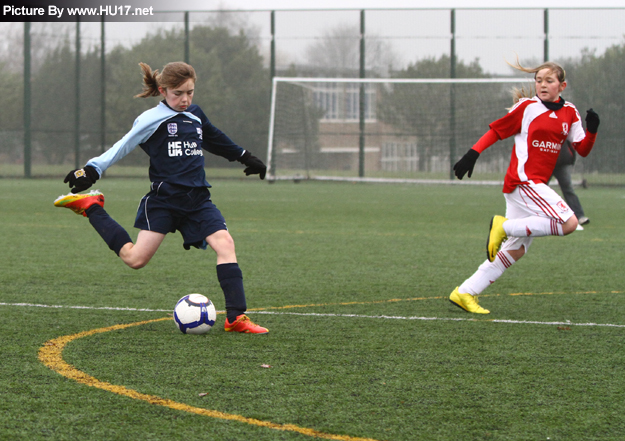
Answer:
(245, 325)
(78, 203)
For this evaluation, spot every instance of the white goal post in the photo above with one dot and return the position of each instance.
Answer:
(385, 130)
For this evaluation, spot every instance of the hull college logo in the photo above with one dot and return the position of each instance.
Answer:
(172, 128)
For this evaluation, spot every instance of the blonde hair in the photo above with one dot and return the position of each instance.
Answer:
(550, 65)
(553, 67)
(518, 93)
(173, 75)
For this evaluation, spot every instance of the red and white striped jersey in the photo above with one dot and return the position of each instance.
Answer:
(538, 137)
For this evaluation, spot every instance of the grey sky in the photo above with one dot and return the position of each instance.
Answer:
(491, 36)
(389, 4)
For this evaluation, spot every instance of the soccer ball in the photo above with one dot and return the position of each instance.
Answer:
(195, 314)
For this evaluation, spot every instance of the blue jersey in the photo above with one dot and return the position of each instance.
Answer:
(174, 141)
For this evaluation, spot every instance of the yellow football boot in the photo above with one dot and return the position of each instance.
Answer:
(496, 235)
(466, 302)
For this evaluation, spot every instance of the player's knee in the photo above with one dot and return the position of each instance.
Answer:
(518, 253)
(137, 264)
(569, 226)
(517, 246)
(221, 242)
(229, 244)
(133, 260)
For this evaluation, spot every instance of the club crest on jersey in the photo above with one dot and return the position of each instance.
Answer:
(172, 128)
(562, 206)
(565, 129)
(199, 132)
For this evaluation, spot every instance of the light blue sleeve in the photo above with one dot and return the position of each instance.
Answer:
(144, 126)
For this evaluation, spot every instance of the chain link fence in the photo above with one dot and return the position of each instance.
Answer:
(69, 87)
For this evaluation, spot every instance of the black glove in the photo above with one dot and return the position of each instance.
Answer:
(592, 121)
(82, 178)
(254, 165)
(466, 163)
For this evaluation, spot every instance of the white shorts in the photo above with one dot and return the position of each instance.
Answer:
(533, 200)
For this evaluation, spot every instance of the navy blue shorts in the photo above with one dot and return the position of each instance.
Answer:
(168, 208)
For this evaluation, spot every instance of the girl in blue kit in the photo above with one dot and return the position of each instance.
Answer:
(174, 134)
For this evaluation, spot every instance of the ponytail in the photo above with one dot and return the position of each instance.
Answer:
(150, 82)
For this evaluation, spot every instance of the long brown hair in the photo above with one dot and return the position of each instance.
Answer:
(553, 67)
(172, 76)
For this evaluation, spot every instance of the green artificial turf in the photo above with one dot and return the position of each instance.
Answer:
(352, 280)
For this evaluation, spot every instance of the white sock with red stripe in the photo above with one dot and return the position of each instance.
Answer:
(533, 226)
(486, 274)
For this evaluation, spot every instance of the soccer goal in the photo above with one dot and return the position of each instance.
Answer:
(390, 130)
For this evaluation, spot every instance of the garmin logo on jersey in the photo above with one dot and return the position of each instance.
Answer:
(547, 146)
(180, 148)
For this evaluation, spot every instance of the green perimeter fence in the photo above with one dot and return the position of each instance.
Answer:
(69, 86)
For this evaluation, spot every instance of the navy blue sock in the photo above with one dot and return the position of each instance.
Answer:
(231, 280)
(113, 234)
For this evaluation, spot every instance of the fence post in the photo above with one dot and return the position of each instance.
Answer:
(27, 102)
(452, 97)
(102, 87)
(546, 40)
(272, 47)
(361, 112)
(187, 56)
(272, 73)
(77, 97)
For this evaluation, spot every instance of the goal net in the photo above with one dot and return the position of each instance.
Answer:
(385, 129)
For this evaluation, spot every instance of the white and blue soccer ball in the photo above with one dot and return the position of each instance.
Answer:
(195, 314)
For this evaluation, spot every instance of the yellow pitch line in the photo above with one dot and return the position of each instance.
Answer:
(51, 355)
(371, 302)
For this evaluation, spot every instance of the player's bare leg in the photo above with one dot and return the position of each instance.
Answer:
(137, 255)
(222, 243)
(570, 225)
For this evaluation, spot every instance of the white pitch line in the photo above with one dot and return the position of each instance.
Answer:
(391, 317)
(316, 314)
(108, 308)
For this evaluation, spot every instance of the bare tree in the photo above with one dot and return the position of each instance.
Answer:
(45, 38)
(338, 52)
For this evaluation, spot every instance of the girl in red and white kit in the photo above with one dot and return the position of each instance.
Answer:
(540, 125)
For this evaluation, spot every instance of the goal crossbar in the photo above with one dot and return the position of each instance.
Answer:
(310, 146)
(400, 80)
